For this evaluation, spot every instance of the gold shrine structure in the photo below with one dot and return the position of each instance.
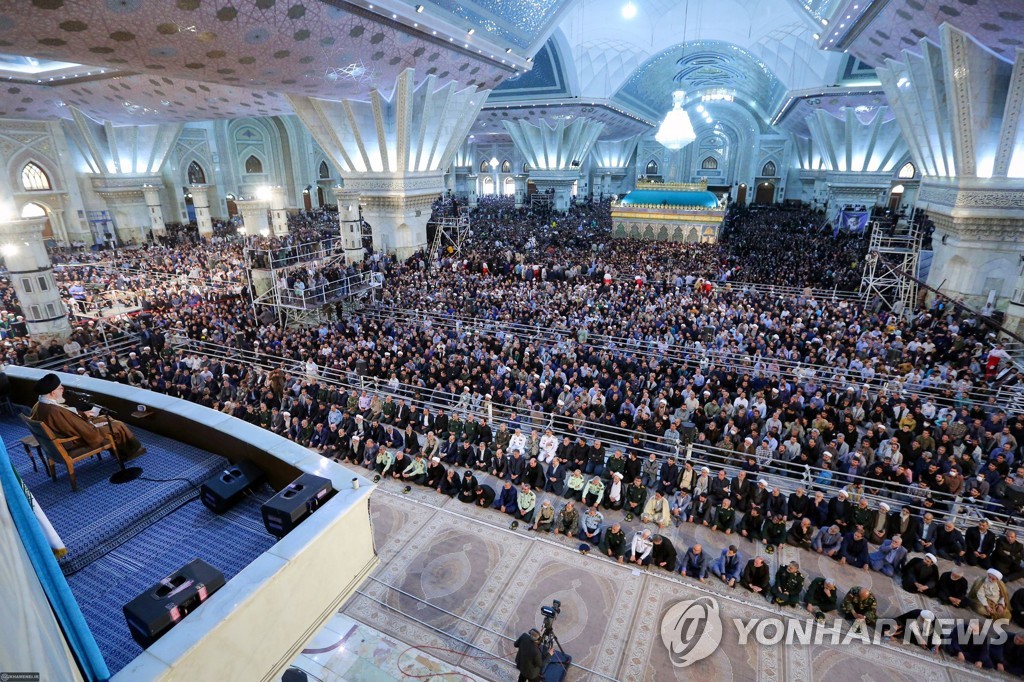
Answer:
(669, 211)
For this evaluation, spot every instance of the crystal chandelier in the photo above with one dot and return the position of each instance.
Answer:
(676, 131)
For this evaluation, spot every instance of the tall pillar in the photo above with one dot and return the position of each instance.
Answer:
(960, 109)
(555, 153)
(351, 225)
(30, 271)
(474, 196)
(394, 151)
(201, 204)
(254, 215)
(610, 161)
(278, 214)
(520, 181)
(156, 211)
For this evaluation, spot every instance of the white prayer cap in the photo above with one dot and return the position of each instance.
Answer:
(762, 482)
(931, 557)
(927, 615)
(995, 574)
(830, 581)
(884, 506)
(705, 470)
(435, 460)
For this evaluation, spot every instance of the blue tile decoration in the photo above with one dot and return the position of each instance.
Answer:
(546, 78)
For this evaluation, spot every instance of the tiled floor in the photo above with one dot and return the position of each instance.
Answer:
(452, 574)
(348, 651)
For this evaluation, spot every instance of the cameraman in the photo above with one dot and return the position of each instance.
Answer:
(530, 659)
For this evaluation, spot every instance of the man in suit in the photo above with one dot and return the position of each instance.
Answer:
(979, 541)
(89, 428)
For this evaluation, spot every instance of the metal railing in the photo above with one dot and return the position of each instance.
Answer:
(826, 376)
(785, 475)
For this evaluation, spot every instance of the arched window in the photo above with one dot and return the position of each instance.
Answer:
(510, 187)
(196, 174)
(324, 172)
(768, 170)
(34, 178)
(652, 167)
(710, 163)
(907, 171)
(487, 187)
(33, 211)
(526, 168)
(506, 166)
(898, 189)
(253, 165)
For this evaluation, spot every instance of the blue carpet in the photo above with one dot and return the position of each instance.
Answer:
(122, 539)
(100, 515)
(228, 543)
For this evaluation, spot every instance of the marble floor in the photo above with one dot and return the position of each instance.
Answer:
(456, 585)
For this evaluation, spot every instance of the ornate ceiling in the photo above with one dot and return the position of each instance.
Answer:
(163, 61)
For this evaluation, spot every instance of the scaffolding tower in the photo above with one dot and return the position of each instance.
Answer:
(450, 233)
(891, 266)
(272, 275)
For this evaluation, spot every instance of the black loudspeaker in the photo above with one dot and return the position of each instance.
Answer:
(688, 433)
(291, 506)
(223, 491)
(151, 614)
(708, 334)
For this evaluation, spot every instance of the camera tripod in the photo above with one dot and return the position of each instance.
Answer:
(549, 640)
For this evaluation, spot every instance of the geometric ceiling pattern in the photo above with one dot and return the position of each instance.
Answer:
(701, 66)
(996, 24)
(518, 22)
(617, 123)
(547, 78)
(270, 46)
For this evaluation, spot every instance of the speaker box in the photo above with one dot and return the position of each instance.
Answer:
(151, 614)
(708, 334)
(290, 507)
(223, 491)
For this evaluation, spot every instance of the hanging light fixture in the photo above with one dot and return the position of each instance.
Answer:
(676, 131)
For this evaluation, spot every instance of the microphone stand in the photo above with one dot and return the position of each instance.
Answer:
(125, 474)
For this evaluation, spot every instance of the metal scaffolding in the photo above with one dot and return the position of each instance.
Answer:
(276, 295)
(450, 233)
(890, 271)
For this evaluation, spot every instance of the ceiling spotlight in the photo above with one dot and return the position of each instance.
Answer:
(824, 22)
(816, 36)
(700, 108)
(470, 31)
(628, 10)
(508, 50)
(419, 9)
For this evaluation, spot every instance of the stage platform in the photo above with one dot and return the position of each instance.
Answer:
(123, 538)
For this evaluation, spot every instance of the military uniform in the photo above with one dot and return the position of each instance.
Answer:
(853, 606)
(788, 587)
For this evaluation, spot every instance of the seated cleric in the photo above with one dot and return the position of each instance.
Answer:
(87, 427)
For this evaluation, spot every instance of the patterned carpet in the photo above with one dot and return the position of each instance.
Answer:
(454, 572)
(123, 538)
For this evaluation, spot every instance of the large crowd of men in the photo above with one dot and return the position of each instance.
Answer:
(585, 385)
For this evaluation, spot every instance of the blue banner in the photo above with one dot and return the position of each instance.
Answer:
(851, 221)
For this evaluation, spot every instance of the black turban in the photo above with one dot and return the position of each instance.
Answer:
(48, 384)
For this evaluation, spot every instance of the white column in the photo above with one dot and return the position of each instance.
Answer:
(201, 203)
(156, 211)
(254, 215)
(351, 225)
(30, 271)
(278, 214)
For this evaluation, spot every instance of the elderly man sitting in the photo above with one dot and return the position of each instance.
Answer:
(989, 596)
(889, 556)
(88, 427)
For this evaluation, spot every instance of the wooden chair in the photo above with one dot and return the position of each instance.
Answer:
(55, 449)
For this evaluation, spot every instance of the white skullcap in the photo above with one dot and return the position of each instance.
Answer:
(995, 574)
(931, 557)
